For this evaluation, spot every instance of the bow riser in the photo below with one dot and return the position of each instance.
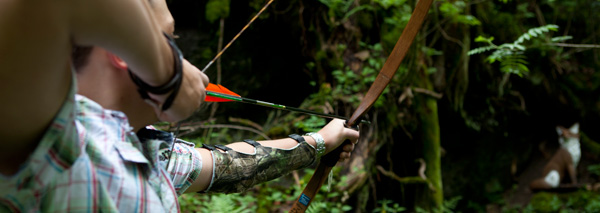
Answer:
(383, 78)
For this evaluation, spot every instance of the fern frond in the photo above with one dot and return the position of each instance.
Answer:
(535, 32)
(499, 55)
(480, 50)
(510, 55)
(512, 46)
(515, 64)
(561, 38)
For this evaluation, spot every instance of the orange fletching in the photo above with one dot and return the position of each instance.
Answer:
(217, 88)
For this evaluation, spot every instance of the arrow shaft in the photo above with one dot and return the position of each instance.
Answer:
(272, 105)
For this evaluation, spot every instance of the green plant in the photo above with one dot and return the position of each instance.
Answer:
(328, 199)
(216, 9)
(350, 82)
(385, 206)
(312, 124)
(580, 201)
(511, 55)
(396, 16)
(230, 203)
(342, 9)
(594, 169)
(447, 207)
(453, 11)
(388, 3)
(191, 202)
(450, 204)
(593, 206)
(323, 206)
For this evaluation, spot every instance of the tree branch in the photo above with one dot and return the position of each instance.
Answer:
(447, 37)
(427, 92)
(405, 180)
(575, 45)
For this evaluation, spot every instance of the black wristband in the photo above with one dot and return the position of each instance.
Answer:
(224, 148)
(173, 85)
(252, 142)
(297, 138)
(209, 147)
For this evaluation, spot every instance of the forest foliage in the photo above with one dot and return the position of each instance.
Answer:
(501, 74)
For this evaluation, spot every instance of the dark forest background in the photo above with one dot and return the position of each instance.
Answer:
(467, 122)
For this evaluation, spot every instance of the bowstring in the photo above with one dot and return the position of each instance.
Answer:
(173, 144)
(238, 35)
(213, 60)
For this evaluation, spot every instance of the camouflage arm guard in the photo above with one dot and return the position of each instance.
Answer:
(237, 172)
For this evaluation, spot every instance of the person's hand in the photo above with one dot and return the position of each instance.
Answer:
(191, 94)
(335, 133)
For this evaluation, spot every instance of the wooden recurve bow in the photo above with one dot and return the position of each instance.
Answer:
(383, 79)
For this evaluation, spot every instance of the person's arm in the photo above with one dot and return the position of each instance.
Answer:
(333, 134)
(35, 44)
(129, 29)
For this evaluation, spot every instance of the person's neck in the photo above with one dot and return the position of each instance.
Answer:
(138, 112)
(138, 123)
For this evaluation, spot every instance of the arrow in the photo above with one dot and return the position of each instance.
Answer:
(218, 93)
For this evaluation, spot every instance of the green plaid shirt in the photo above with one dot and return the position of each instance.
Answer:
(89, 160)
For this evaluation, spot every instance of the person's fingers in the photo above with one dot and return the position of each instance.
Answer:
(349, 147)
(351, 134)
(335, 133)
(344, 156)
(189, 97)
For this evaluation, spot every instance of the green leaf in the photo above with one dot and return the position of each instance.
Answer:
(480, 50)
(561, 38)
(431, 70)
(484, 39)
(467, 19)
(356, 9)
(217, 9)
(431, 51)
(389, 3)
(520, 47)
(449, 9)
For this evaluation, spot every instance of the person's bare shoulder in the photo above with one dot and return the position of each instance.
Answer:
(34, 66)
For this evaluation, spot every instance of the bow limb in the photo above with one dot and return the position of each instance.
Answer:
(394, 59)
(383, 79)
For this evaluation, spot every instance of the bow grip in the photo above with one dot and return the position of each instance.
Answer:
(331, 158)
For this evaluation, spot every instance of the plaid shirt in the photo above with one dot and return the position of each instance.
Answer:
(89, 160)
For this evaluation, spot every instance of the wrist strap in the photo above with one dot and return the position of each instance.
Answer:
(252, 142)
(297, 138)
(173, 85)
(224, 148)
(209, 147)
(320, 143)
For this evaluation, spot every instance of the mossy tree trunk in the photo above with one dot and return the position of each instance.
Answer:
(429, 135)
